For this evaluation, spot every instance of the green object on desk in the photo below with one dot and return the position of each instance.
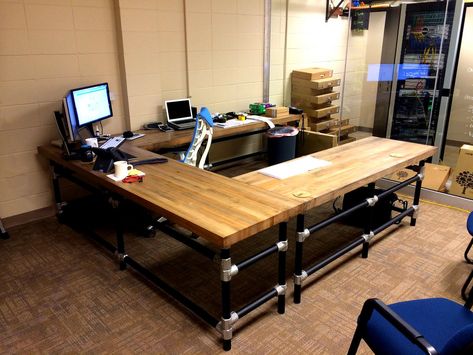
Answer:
(257, 109)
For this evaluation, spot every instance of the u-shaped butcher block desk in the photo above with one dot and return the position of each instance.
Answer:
(225, 211)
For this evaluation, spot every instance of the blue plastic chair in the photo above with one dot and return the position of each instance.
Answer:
(469, 227)
(427, 326)
(203, 129)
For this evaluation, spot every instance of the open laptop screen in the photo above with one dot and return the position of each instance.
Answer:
(178, 110)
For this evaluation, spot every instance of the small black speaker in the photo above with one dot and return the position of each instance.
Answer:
(194, 111)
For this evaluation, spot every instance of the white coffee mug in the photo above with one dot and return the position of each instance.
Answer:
(121, 169)
(93, 142)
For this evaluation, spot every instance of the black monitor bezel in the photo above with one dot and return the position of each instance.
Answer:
(99, 119)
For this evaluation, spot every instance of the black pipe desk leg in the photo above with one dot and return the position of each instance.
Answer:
(117, 210)
(417, 193)
(3, 231)
(57, 193)
(298, 259)
(226, 301)
(282, 266)
(369, 221)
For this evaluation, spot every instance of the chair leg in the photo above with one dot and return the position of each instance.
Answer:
(355, 342)
(467, 250)
(464, 291)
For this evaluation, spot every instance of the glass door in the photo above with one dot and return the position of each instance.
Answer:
(460, 123)
(396, 62)
(425, 32)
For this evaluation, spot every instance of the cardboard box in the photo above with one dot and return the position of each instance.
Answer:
(310, 142)
(436, 176)
(322, 112)
(278, 111)
(462, 179)
(317, 84)
(317, 125)
(312, 73)
(305, 90)
(315, 99)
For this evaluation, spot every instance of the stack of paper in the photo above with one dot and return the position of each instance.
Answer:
(233, 123)
(294, 167)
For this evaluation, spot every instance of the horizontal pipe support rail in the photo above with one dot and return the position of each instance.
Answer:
(342, 251)
(256, 303)
(358, 241)
(365, 203)
(253, 259)
(199, 311)
(203, 314)
(396, 219)
(104, 243)
(399, 186)
(330, 220)
(191, 243)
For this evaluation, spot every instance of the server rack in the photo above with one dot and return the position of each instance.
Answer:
(419, 77)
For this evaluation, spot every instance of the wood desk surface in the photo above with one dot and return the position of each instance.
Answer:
(155, 139)
(219, 209)
(353, 165)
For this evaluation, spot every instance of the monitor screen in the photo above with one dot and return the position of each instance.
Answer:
(178, 110)
(71, 120)
(92, 104)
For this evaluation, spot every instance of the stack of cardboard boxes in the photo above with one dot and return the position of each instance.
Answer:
(313, 91)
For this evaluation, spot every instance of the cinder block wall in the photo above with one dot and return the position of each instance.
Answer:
(47, 48)
(148, 51)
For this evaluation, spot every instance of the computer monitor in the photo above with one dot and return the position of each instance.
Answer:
(70, 118)
(178, 110)
(91, 104)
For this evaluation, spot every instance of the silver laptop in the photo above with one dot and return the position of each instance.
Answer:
(179, 114)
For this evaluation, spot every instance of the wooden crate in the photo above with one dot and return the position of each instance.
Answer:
(314, 100)
(312, 73)
(320, 125)
(315, 84)
(344, 130)
(301, 90)
(322, 112)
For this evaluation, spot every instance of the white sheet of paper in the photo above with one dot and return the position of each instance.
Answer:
(234, 123)
(266, 120)
(294, 167)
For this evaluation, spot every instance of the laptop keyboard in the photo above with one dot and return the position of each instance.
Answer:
(182, 125)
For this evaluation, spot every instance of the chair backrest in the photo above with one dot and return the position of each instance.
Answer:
(469, 223)
(203, 128)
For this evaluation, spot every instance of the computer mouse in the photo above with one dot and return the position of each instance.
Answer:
(127, 134)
